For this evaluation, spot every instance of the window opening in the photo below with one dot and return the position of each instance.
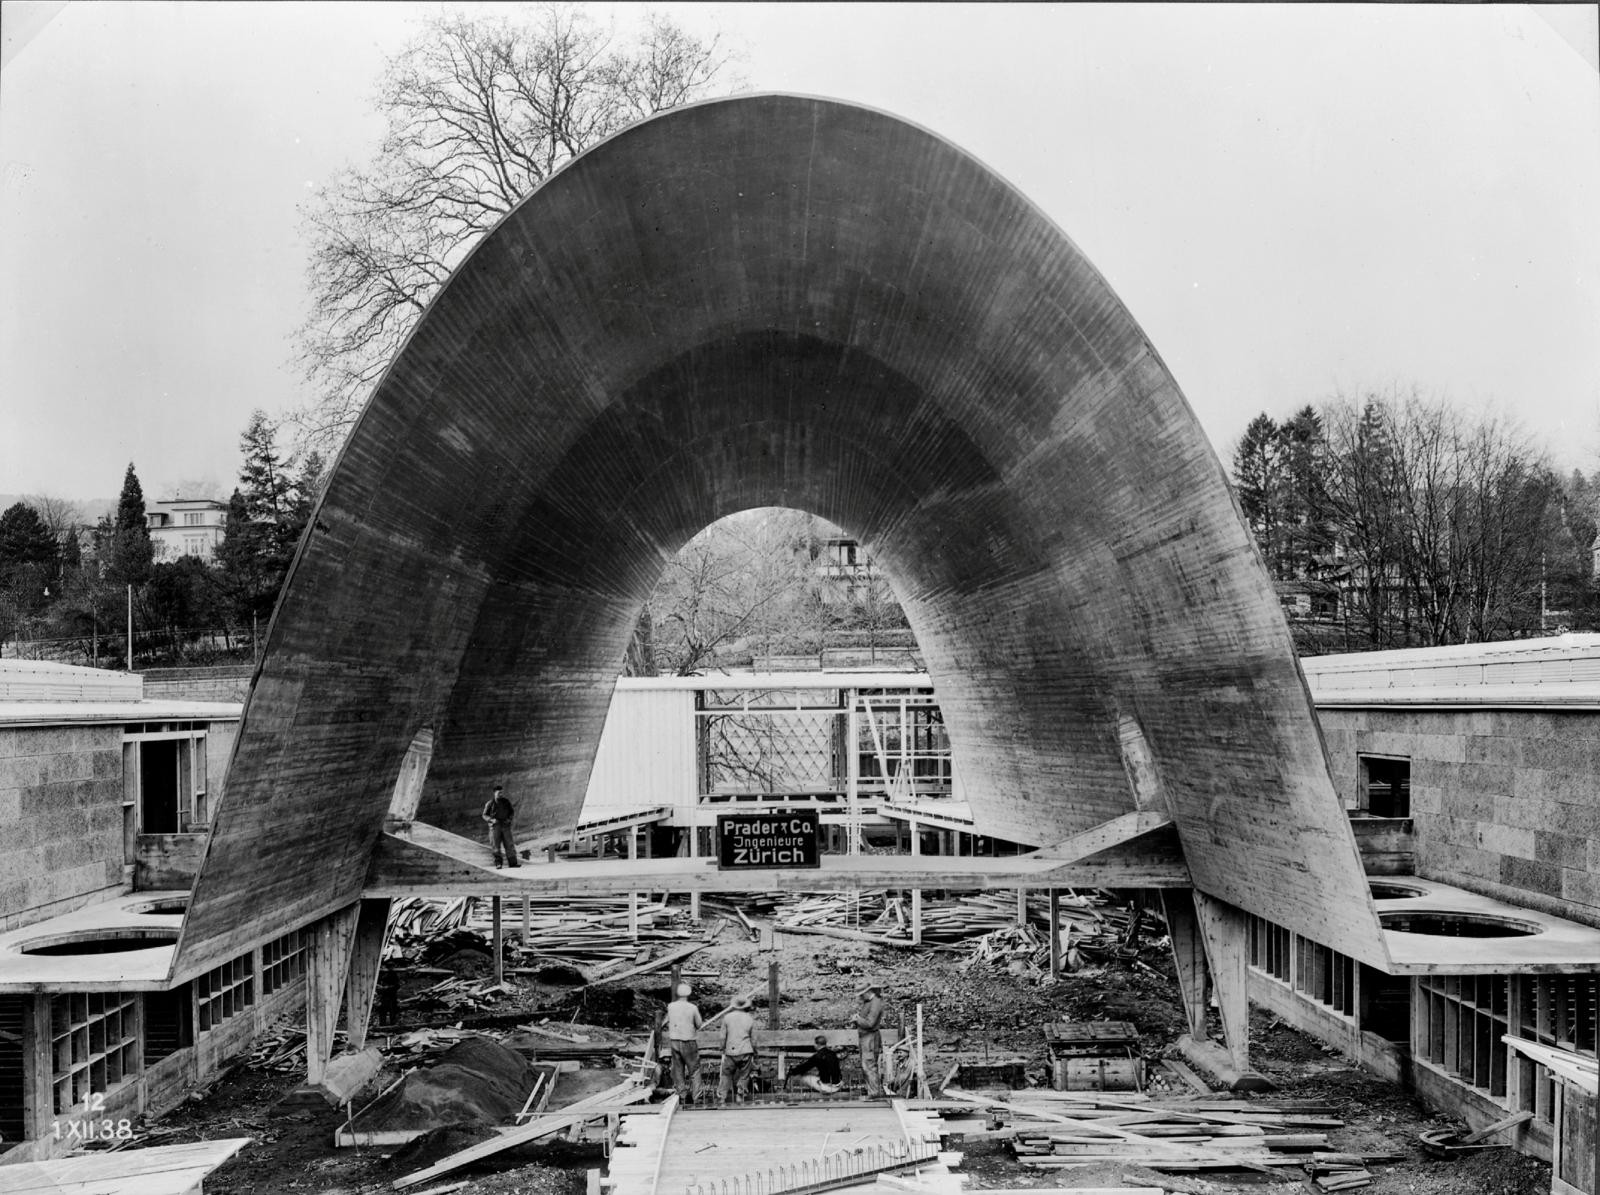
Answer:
(283, 960)
(13, 1120)
(158, 786)
(1385, 786)
(225, 992)
(94, 1045)
(168, 1023)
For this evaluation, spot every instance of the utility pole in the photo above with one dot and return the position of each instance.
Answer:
(130, 626)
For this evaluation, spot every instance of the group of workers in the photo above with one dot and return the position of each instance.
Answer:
(820, 1071)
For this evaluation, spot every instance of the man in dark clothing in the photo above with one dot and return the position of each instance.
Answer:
(869, 1022)
(499, 813)
(828, 1078)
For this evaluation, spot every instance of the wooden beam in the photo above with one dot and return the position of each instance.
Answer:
(403, 867)
(497, 940)
(1055, 934)
(38, 1108)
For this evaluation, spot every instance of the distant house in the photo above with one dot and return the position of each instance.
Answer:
(186, 527)
(845, 570)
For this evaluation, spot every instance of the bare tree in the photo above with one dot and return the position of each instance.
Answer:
(743, 581)
(480, 112)
(1442, 519)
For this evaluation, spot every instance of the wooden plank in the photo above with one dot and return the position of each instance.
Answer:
(1161, 1148)
(156, 1170)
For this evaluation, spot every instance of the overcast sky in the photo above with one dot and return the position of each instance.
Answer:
(1292, 200)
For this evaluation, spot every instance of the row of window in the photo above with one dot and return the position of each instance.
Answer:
(1455, 1023)
(97, 1042)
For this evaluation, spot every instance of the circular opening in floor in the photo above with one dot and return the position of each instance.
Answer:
(163, 908)
(1458, 925)
(1384, 890)
(101, 941)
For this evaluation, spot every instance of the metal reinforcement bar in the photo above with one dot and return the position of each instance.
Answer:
(825, 1174)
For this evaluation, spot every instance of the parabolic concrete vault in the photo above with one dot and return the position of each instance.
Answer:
(778, 300)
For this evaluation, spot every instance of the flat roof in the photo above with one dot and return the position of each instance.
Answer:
(80, 713)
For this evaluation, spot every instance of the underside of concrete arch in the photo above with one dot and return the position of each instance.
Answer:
(776, 300)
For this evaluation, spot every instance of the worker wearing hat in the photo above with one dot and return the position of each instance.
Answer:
(868, 1022)
(683, 1028)
(738, 1052)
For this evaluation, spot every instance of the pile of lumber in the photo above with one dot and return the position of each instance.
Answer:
(1338, 1171)
(460, 996)
(1062, 1130)
(587, 933)
(284, 1049)
(983, 926)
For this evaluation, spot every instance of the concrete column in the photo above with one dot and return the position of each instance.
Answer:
(1188, 957)
(327, 961)
(366, 956)
(1226, 933)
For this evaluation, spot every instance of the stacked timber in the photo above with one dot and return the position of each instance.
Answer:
(587, 933)
(1062, 1132)
(983, 926)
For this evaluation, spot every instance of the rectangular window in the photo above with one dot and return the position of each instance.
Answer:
(1461, 1019)
(1270, 947)
(94, 1045)
(225, 992)
(1385, 786)
(193, 519)
(283, 960)
(168, 1023)
(13, 1120)
(164, 776)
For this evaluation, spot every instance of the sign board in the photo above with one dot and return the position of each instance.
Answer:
(765, 840)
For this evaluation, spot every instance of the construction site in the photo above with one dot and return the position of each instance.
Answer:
(1151, 905)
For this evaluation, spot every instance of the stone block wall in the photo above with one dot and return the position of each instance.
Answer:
(61, 831)
(1505, 802)
(224, 682)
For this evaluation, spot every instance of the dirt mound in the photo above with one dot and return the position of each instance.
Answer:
(475, 1082)
(437, 1144)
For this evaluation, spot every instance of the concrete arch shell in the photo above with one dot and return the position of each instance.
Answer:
(776, 300)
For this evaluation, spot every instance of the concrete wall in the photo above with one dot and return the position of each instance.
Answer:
(228, 682)
(1504, 802)
(60, 819)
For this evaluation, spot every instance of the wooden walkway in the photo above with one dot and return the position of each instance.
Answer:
(691, 1148)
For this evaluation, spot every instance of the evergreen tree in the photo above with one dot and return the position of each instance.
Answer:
(124, 539)
(28, 562)
(266, 517)
(1258, 481)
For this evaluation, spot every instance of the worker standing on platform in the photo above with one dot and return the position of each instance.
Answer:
(868, 1023)
(738, 1052)
(499, 813)
(683, 1030)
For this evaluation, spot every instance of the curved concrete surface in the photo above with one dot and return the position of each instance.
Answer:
(776, 300)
